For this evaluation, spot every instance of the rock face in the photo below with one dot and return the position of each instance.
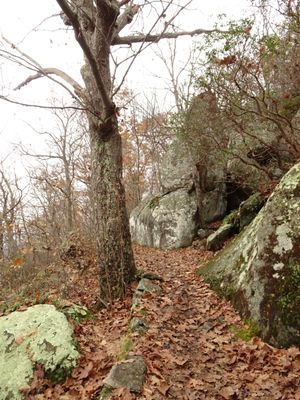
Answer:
(177, 168)
(168, 220)
(165, 221)
(260, 270)
(40, 335)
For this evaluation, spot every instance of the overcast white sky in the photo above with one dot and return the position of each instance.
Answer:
(53, 48)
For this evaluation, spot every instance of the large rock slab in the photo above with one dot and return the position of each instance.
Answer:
(260, 270)
(165, 221)
(42, 335)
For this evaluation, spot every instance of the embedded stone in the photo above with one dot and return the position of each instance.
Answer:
(138, 325)
(129, 373)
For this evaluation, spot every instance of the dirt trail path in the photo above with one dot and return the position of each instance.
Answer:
(191, 350)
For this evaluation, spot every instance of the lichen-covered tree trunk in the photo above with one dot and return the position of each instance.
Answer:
(110, 218)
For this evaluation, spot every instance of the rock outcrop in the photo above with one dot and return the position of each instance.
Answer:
(260, 270)
(39, 335)
(170, 218)
(176, 170)
(165, 221)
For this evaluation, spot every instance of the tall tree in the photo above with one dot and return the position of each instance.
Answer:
(97, 25)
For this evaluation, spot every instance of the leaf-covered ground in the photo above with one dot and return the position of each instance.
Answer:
(191, 349)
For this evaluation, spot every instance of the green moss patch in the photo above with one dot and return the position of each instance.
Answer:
(289, 298)
(246, 332)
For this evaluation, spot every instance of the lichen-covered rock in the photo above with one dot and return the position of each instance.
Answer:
(138, 325)
(145, 286)
(40, 335)
(260, 270)
(129, 373)
(165, 221)
(216, 240)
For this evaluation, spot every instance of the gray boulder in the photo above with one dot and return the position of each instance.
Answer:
(42, 335)
(260, 270)
(165, 221)
(129, 373)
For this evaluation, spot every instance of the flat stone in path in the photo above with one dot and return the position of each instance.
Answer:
(129, 373)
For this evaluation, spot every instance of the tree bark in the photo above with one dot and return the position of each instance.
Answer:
(115, 254)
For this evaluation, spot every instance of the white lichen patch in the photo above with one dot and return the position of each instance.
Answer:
(284, 242)
(41, 335)
(278, 266)
(276, 276)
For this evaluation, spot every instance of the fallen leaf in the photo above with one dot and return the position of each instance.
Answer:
(227, 392)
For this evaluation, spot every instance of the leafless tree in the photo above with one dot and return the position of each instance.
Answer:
(146, 136)
(65, 147)
(10, 203)
(180, 73)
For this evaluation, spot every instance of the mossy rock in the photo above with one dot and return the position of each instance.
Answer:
(233, 219)
(259, 270)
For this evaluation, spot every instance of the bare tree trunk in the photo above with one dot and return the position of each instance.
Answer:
(1, 240)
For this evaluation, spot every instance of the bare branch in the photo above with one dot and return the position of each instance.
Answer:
(123, 2)
(41, 106)
(156, 38)
(126, 18)
(53, 71)
(42, 72)
(26, 56)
